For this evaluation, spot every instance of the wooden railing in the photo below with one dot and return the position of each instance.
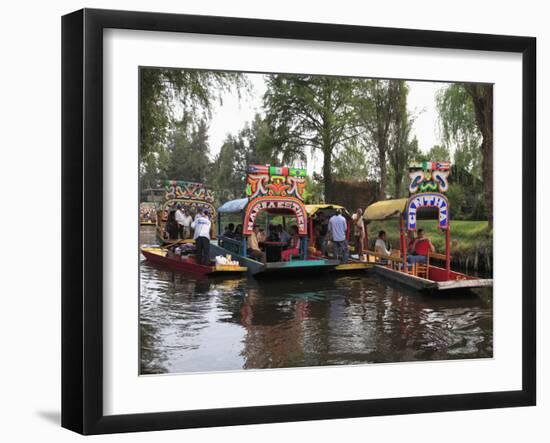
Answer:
(396, 263)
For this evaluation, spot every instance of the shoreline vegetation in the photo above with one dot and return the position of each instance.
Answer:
(471, 241)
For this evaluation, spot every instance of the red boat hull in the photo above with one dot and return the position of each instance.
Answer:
(188, 265)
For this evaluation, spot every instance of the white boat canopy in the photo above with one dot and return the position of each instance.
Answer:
(233, 206)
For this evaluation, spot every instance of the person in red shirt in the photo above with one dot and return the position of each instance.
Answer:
(422, 246)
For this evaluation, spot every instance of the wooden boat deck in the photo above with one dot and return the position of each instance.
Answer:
(256, 267)
(424, 284)
(353, 266)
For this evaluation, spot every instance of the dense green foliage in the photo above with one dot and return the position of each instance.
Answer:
(465, 114)
(360, 130)
(311, 112)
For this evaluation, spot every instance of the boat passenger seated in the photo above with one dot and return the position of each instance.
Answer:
(380, 245)
(262, 236)
(272, 233)
(293, 249)
(229, 231)
(253, 249)
(238, 232)
(284, 237)
(421, 247)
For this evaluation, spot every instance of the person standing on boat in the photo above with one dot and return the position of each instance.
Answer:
(171, 227)
(202, 227)
(422, 246)
(358, 232)
(337, 227)
(179, 219)
(186, 221)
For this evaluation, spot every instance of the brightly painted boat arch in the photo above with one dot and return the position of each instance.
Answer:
(427, 200)
(275, 204)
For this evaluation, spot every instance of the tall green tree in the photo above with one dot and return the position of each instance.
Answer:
(353, 163)
(260, 145)
(466, 119)
(189, 152)
(314, 112)
(402, 148)
(228, 180)
(378, 101)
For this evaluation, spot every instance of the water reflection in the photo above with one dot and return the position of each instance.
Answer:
(189, 324)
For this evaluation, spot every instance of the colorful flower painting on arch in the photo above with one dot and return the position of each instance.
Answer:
(429, 177)
(179, 189)
(275, 181)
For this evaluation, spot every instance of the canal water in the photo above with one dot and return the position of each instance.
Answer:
(190, 324)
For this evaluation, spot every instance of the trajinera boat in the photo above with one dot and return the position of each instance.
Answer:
(179, 254)
(318, 215)
(277, 192)
(147, 214)
(195, 197)
(187, 263)
(429, 182)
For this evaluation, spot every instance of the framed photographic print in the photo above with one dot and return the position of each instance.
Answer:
(269, 221)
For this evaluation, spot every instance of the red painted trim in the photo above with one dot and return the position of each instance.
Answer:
(403, 241)
(448, 251)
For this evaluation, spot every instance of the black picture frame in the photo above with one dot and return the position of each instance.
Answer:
(82, 215)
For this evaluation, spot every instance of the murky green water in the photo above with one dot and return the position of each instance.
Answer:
(189, 324)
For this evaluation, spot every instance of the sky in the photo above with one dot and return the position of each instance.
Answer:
(231, 114)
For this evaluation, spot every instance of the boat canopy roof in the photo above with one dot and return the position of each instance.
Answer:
(385, 209)
(313, 209)
(233, 206)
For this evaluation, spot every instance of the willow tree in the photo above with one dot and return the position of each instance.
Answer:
(311, 112)
(168, 94)
(466, 118)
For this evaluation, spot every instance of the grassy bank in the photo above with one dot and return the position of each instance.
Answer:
(471, 243)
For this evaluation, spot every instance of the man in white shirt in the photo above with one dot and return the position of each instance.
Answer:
(380, 245)
(186, 221)
(337, 228)
(202, 227)
(179, 220)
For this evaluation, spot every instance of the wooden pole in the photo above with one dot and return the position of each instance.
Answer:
(403, 243)
(366, 225)
(448, 251)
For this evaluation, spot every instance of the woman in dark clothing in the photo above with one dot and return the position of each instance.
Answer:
(238, 232)
(171, 228)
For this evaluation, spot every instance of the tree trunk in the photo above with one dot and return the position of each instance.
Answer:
(327, 174)
(397, 183)
(383, 168)
(482, 96)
